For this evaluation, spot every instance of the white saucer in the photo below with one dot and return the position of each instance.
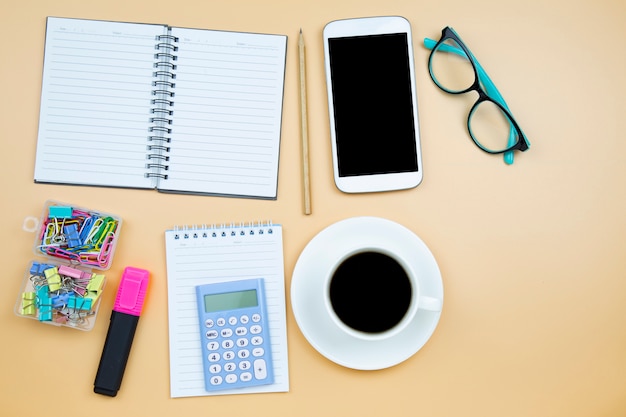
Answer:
(308, 291)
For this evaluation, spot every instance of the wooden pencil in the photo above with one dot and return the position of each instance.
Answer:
(306, 182)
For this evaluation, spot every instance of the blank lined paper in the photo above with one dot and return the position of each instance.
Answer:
(95, 103)
(227, 112)
(150, 106)
(200, 256)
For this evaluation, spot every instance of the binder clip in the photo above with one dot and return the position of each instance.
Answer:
(61, 295)
(29, 299)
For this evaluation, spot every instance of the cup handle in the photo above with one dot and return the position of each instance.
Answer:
(429, 304)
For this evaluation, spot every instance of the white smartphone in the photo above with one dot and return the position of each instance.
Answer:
(372, 102)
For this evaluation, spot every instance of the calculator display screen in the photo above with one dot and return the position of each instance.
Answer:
(230, 301)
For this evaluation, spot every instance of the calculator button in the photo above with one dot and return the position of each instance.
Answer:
(209, 323)
(214, 357)
(243, 353)
(212, 334)
(231, 378)
(242, 342)
(260, 369)
(256, 340)
(244, 365)
(241, 331)
(244, 319)
(256, 317)
(256, 329)
(245, 377)
(227, 332)
(232, 320)
(216, 380)
(221, 321)
(213, 346)
(230, 367)
(229, 355)
(258, 352)
(215, 369)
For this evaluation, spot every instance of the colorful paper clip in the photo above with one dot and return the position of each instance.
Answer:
(80, 236)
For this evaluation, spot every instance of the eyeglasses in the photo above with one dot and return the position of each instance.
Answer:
(490, 124)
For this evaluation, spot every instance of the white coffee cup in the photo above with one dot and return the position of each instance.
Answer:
(373, 294)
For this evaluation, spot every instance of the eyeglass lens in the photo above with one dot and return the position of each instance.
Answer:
(451, 67)
(453, 72)
(490, 127)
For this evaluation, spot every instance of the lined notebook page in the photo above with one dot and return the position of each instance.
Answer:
(196, 257)
(227, 113)
(95, 103)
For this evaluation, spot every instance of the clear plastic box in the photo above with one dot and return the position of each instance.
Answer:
(60, 294)
(74, 234)
(75, 245)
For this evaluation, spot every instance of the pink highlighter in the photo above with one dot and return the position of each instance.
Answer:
(124, 318)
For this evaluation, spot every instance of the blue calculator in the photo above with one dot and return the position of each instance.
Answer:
(234, 333)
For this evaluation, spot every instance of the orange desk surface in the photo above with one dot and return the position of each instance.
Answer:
(533, 256)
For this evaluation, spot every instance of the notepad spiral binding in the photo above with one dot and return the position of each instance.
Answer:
(163, 95)
(223, 230)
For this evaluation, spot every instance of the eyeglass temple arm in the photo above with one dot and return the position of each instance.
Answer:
(489, 86)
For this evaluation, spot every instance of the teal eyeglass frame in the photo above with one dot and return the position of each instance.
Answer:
(485, 88)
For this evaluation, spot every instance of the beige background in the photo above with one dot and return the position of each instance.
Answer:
(533, 255)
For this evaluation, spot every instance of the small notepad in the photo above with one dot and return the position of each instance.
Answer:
(158, 107)
(201, 255)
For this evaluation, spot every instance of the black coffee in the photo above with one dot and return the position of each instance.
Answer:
(370, 292)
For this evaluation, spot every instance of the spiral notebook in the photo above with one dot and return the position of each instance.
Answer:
(201, 255)
(157, 107)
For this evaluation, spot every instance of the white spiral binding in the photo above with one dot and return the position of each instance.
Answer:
(223, 230)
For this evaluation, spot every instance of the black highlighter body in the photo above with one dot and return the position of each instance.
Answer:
(115, 354)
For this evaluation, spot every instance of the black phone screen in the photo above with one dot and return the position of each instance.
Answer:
(373, 106)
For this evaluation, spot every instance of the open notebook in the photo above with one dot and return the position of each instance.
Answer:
(151, 106)
(202, 255)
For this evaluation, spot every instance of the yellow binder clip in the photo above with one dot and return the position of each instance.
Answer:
(28, 304)
(53, 278)
(94, 288)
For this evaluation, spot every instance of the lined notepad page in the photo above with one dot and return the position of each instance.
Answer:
(95, 103)
(227, 113)
(196, 257)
